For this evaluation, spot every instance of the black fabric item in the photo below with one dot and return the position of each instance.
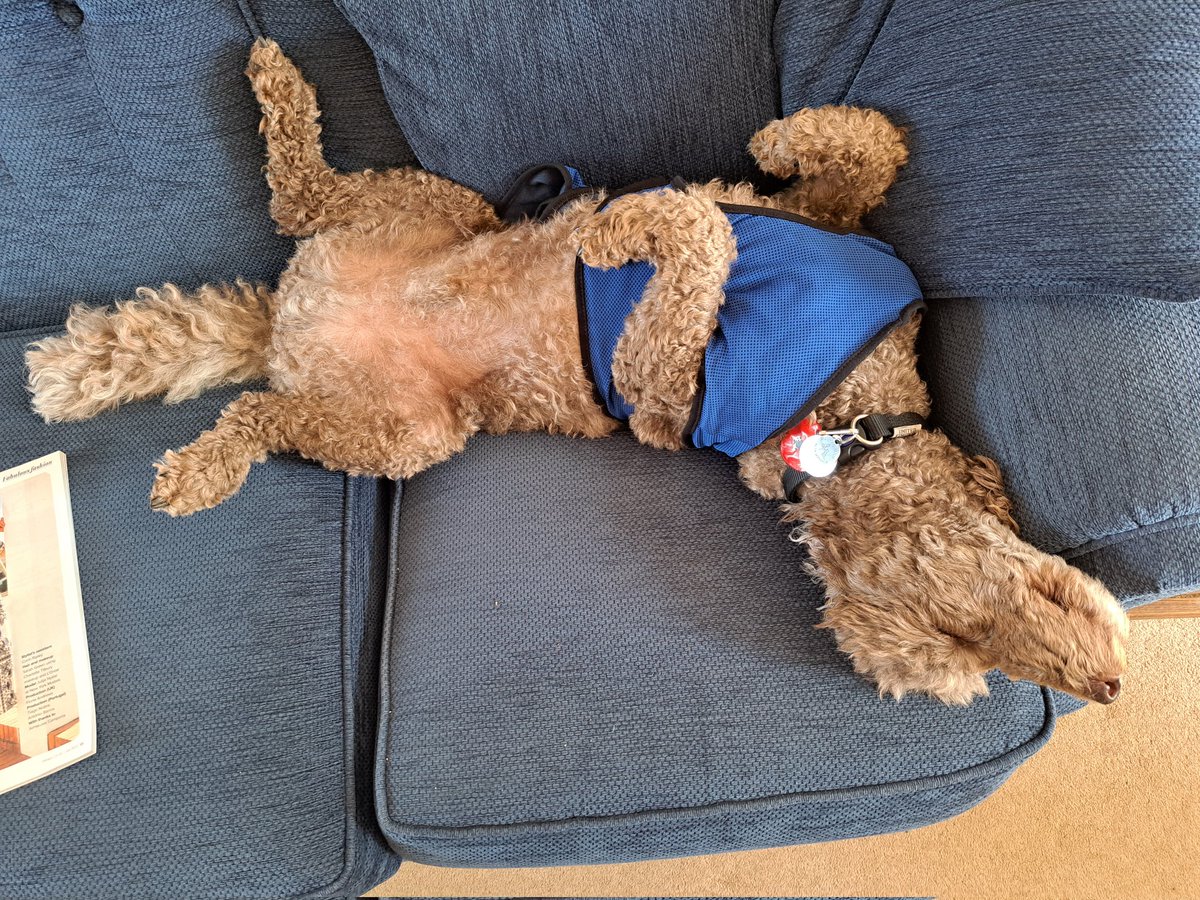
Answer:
(532, 191)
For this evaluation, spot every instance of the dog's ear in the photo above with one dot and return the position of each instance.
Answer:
(986, 484)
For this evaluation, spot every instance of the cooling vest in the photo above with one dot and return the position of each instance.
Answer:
(804, 305)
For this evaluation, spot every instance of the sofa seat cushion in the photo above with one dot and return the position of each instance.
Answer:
(234, 658)
(599, 652)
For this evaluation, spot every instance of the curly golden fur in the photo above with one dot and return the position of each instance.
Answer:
(409, 319)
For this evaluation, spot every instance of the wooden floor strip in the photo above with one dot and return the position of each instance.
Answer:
(1185, 607)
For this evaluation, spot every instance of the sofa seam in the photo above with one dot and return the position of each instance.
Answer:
(1043, 288)
(349, 775)
(883, 20)
(995, 764)
(776, 68)
(382, 766)
(485, 856)
(1175, 522)
(253, 25)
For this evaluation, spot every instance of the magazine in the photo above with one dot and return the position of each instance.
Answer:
(47, 714)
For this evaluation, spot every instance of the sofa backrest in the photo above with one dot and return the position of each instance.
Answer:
(1053, 143)
(129, 149)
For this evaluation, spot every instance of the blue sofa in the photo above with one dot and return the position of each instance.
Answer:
(548, 651)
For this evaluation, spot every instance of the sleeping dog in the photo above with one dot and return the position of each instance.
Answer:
(411, 317)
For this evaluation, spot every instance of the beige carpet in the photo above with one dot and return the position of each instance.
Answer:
(1109, 809)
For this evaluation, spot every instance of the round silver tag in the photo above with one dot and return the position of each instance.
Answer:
(819, 455)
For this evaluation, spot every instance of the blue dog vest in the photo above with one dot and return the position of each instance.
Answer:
(804, 305)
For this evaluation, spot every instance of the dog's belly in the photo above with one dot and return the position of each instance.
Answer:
(424, 326)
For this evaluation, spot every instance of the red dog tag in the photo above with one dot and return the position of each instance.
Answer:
(789, 447)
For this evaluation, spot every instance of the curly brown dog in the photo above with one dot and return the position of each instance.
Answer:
(410, 319)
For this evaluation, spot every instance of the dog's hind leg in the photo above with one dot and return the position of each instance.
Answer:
(846, 158)
(164, 342)
(309, 196)
(657, 359)
(213, 467)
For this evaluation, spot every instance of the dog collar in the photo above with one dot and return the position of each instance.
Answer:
(812, 453)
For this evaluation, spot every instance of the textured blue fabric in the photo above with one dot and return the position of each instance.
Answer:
(800, 302)
(1053, 154)
(556, 692)
(1053, 143)
(129, 146)
(234, 656)
(1093, 409)
(624, 90)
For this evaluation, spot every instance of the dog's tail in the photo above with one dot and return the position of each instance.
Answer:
(164, 342)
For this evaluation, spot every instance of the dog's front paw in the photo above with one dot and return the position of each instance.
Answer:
(616, 235)
(191, 480)
(602, 243)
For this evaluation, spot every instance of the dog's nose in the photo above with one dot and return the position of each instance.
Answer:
(1105, 691)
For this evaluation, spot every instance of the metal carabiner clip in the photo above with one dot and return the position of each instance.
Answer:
(860, 437)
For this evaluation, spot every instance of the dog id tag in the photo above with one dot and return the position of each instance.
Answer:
(818, 455)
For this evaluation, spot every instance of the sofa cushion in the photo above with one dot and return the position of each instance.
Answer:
(598, 652)
(620, 90)
(1092, 407)
(129, 146)
(1053, 143)
(234, 657)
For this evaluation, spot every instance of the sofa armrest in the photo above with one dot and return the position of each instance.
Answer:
(1092, 409)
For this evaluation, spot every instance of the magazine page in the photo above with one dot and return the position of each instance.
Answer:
(47, 714)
